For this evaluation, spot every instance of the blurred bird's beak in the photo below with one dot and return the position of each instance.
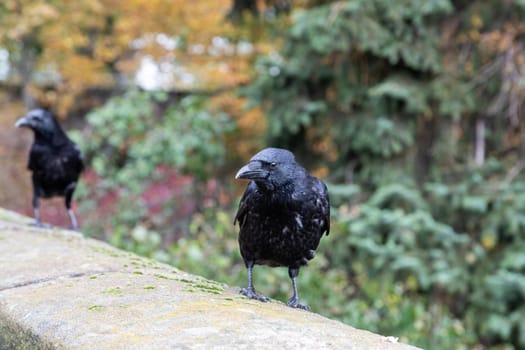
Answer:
(22, 122)
(251, 171)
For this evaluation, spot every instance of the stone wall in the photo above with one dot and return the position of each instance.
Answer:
(61, 290)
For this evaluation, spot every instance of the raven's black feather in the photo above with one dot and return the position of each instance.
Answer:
(282, 215)
(54, 160)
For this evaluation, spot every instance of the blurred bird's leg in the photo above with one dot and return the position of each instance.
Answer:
(73, 219)
(36, 209)
(69, 195)
(294, 300)
(250, 291)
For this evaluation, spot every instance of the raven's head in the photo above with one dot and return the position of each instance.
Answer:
(43, 123)
(270, 168)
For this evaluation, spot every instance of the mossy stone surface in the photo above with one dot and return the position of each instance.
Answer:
(61, 290)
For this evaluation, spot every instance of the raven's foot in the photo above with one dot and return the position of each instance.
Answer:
(294, 302)
(40, 224)
(250, 293)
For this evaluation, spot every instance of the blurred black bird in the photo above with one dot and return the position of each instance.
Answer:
(282, 215)
(54, 160)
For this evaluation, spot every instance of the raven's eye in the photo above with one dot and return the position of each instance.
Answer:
(273, 165)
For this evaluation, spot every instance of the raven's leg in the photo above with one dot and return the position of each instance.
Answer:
(294, 300)
(36, 208)
(69, 195)
(250, 291)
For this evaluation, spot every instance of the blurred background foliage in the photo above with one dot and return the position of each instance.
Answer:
(411, 111)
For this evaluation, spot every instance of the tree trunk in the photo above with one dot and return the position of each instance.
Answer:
(479, 151)
(425, 135)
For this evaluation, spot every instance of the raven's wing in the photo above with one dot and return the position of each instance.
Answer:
(311, 198)
(70, 161)
(65, 162)
(323, 203)
(76, 159)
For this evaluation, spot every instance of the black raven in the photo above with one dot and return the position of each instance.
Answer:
(54, 160)
(282, 215)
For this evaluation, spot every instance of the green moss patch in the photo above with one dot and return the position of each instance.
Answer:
(95, 308)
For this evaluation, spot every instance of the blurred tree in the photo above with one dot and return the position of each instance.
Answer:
(131, 153)
(73, 56)
(375, 61)
(71, 46)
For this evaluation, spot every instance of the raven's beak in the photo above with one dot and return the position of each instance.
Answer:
(22, 122)
(251, 171)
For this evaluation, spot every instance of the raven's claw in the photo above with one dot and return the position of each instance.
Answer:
(294, 302)
(250, 293)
